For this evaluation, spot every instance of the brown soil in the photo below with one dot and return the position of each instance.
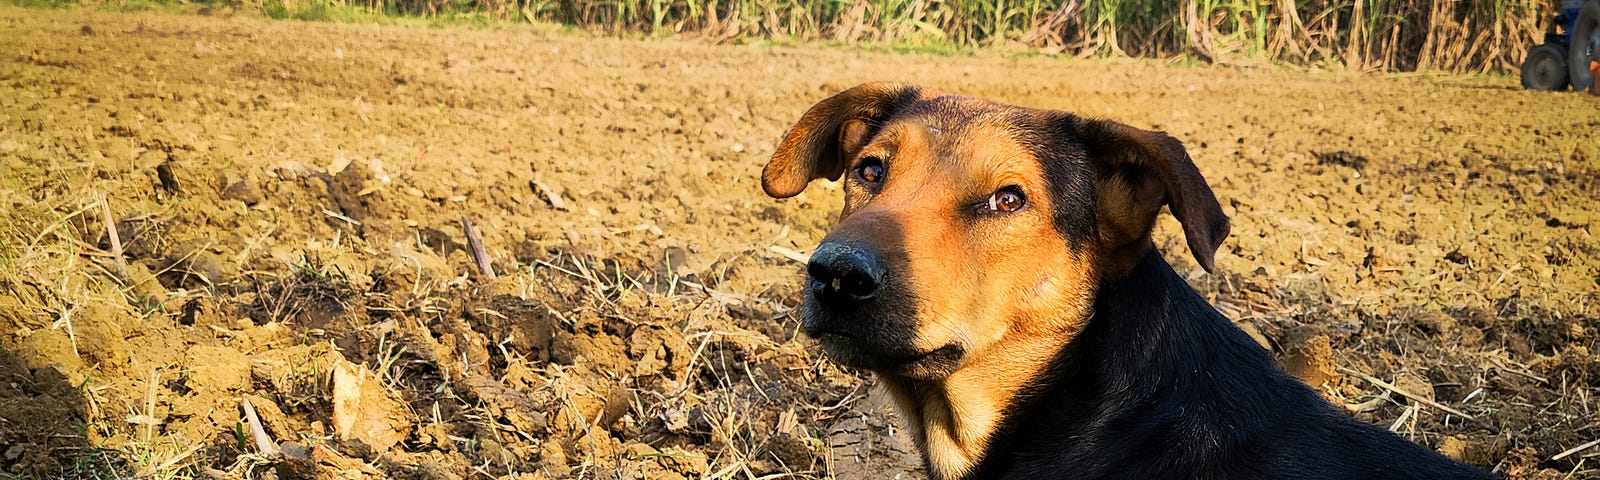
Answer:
(289, 199)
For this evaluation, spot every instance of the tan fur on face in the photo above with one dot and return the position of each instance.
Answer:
(1008, 289)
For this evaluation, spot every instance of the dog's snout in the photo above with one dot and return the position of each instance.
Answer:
(844, 274)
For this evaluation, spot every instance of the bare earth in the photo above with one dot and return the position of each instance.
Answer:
(289, 199)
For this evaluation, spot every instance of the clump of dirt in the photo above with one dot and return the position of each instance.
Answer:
(287, 201)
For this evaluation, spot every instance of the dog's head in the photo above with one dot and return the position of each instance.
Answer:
(967, 222)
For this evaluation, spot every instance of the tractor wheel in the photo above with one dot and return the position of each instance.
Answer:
(1545, 68)
(1585, 45)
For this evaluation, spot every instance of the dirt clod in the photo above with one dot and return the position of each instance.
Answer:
(363, 411)
(169, 180)
(1312, 361)
(1343, 159)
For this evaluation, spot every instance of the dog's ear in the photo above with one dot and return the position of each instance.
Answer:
(1137, 172)
(818, 145)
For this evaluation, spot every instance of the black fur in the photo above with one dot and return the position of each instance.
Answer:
(1160, 385)
(1071, 178)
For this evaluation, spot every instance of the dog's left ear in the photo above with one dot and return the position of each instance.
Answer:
(817, 145)
(1137, 172)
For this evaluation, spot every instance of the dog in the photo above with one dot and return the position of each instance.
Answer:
(993, 266)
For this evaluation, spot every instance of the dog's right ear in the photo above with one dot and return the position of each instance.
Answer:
(817, 145)
(1141, 170)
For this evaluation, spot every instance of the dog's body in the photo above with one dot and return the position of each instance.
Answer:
(1160, 386)
(993, 265)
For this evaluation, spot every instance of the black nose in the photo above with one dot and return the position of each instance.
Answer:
(844, 274)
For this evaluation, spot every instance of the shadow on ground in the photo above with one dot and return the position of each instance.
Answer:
(51, 442)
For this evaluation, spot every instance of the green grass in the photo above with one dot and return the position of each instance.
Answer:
(39, 4)
(97, 463)
(319, 11)
(8, 254)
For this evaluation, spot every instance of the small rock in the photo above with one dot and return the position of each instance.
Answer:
(246, 190)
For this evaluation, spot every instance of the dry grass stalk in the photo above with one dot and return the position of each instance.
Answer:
(475, 246)
(111, 233)
(790, 254)
(264, 443)
(1576, 449)
(150, 407)
(341, 217)
(170, 463)
(1416, 398)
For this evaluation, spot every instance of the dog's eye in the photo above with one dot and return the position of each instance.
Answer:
(1005, 200)
(870, 170)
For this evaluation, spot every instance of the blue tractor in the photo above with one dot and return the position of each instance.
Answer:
(1571, 44)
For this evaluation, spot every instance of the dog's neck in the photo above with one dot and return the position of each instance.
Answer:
(953, 419)
(1140, 371)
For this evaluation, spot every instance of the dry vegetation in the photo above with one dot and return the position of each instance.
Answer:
(235, 248)
(1365, 35)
